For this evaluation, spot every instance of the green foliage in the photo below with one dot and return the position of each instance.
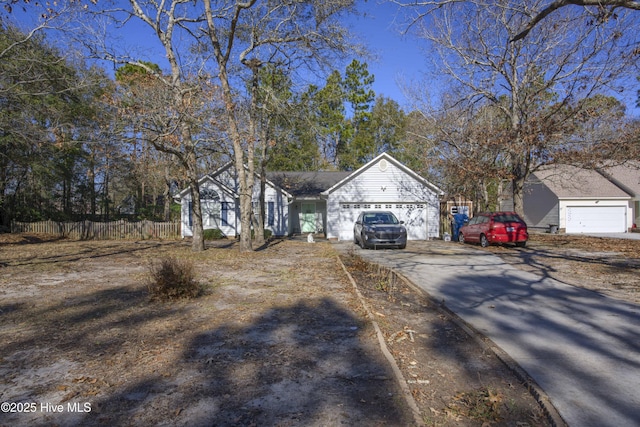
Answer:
(49, 114)
(173, 279)
(213, 234)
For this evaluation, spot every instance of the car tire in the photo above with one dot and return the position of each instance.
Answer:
(363, 245)
(521, 244)
(402, 246)
(461, 238)
(484, 242)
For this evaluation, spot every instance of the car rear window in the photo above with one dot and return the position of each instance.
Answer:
(507, 218)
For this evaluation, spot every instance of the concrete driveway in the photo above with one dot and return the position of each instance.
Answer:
(581, 348)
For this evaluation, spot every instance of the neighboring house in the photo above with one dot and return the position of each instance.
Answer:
(324, 202)
(627, 177)
(577, 200)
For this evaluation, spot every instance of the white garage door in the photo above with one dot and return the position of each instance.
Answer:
(596, 219)
(414, 216)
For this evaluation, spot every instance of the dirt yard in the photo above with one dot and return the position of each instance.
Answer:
(607, 266)
(280, 337)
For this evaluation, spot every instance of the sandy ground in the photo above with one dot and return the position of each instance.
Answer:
(280, 337)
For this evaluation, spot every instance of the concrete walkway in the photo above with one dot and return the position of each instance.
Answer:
(581, 348)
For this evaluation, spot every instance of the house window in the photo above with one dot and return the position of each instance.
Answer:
(378, 206)
(367, 206)
(346, 206)
(356, 206)
(387, 206)
(190, 209)
(224, 212)
(208, 194)
(271, 213)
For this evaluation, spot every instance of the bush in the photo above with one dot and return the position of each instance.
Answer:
(267, 234)
(173, 279)
(213, 234)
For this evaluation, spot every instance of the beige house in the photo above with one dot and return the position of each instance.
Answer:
(578, 200)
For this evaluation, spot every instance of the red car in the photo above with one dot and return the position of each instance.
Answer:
(494, 227)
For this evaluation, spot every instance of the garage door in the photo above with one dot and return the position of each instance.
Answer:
(414, 216)
(596, 219)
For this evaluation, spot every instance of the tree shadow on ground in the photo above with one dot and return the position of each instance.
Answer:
(301, 364)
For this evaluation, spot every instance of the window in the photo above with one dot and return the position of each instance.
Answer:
(387, 206)
(271, 213)
(378, 206)
(190, 209)
(367, 206)
(346, 206)
(210, 213)
(224, 217)
(208, 194)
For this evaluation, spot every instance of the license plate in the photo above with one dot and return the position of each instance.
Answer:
(511, 229)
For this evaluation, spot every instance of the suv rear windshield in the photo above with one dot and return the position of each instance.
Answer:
(507, 218)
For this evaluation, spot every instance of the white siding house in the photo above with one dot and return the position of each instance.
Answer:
(384, 183)
(322, 202)
(220, 204)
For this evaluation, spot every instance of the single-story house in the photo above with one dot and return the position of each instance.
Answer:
(578, 200)
(322, 202)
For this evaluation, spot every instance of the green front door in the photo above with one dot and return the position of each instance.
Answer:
(308, 217)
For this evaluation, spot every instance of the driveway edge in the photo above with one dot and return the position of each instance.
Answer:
(417, 416)
(534, 389)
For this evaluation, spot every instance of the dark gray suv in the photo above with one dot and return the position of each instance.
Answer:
(375, 229)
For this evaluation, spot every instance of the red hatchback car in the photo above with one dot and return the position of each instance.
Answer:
(495, 227)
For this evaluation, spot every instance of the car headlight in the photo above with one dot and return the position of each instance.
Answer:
(403, 230)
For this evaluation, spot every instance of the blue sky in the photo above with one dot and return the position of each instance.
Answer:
(400, 58)
(396, 57)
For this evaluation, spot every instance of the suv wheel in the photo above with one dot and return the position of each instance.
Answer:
(363, 245)
(483, 241)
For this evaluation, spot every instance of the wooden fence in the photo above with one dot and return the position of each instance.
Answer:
(90, 230)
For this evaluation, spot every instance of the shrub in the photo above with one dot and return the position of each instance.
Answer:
(213, 234)
(267, 234)
(173, 279)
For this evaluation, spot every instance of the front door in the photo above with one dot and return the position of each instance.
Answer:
(308, 217)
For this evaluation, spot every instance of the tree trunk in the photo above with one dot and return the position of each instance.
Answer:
(517, 184)
(258, 213)
(245, 178)
(191, 165)
(167, 193)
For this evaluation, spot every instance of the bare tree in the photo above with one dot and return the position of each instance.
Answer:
(172, 119)
(604, 10)
(253, 33)
(600, 10)
(536, 85)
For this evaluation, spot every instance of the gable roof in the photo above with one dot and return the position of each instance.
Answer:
(567, 181)
(313, 184)
(212, 177)
(625, 176)
(306, 184)
(373, 162)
